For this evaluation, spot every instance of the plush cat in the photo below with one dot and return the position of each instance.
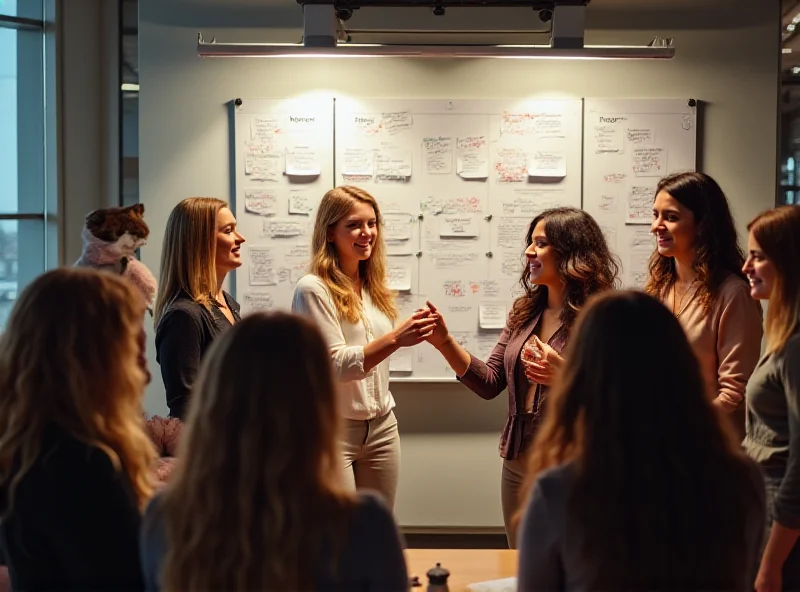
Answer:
(110, 237)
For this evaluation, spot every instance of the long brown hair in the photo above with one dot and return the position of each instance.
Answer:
(256, 493)
(717, 251)
(777, 232)
(188, 253)
(335, 204)
(585, 265)
(661, 491)
(69, 359)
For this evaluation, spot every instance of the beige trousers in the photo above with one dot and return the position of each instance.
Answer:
(511, 483)
(371, 451)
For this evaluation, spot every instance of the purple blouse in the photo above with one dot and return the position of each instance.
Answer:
(504, 368)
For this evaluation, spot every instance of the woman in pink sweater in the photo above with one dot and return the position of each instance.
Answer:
(696, 271)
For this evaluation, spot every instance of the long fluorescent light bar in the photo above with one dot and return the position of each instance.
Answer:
(353, 50)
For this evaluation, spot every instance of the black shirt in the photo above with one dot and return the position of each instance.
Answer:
(183, 335)
(75, 522)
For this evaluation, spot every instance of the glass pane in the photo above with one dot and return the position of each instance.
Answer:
(21, 122)
(21, 259)
(31, 9)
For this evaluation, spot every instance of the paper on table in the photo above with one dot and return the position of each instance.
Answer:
(492, 315)
(437, 154)
(459, 226)
(402, 360)
(547, 163)
(302, 161)
(503, 585)
(260, 202)
(472, 161)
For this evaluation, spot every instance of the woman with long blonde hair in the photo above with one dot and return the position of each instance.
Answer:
(346, 294)
(201, 246)
(773, 392)
(256, 502)
(74, 456)
(638, 481)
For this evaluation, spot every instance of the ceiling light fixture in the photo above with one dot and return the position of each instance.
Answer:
(323, 33)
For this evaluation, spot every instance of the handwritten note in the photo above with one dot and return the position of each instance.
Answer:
(472, 161)
(511, 165)
(393, 165)
(639, 268)
(454, 288)
(444, 259)
(548, 125)
(641, 135)
(641, 240)
(515, 124)
(610, 235)
(437, 155)
(296, 259)
(301, 203)
(260, 202)
(640, 205)
(254, 301)
(608, 139)
(452, 205)
(465, 226)
(394, 123)
(531, 201)
(263, 167)
(492, 315)
(489, 288)
(397, 227)
(649, 162)
(548, 163)
(358, 162)
(302, 161)
(262, 266)
(264, 128)
(511, 233)
(399, 273)
(510, 263)
(283, 228)
(609, 197)
(368, 125)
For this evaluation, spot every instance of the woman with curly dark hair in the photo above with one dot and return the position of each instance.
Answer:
(567, 260)
(696, 271)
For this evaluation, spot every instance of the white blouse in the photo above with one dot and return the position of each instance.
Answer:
(362, 395)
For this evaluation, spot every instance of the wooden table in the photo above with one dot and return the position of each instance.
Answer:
(466, 566)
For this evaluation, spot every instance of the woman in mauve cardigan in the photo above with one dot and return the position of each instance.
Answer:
(567, 260)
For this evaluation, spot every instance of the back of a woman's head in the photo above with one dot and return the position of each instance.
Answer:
(257, 482)
(188, 251)
(658, 480)
(69, 358)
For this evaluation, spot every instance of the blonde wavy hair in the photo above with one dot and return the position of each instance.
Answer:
(188, 253)
(335, 205)
(777, 232)
(257, 495)
(69, 358)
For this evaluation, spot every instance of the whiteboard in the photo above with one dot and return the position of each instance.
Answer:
(283, 152)
(458, 183)
(629, 145)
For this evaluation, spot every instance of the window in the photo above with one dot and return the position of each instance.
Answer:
(27, 192)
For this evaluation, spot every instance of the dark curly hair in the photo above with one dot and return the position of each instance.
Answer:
(585, 264)
(717, 251)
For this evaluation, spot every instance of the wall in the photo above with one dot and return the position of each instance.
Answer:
(450, 474)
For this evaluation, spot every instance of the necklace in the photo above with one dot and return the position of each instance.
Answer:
(680, 306)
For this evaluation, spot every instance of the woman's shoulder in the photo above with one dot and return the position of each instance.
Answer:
(732, 286)
(311, 284)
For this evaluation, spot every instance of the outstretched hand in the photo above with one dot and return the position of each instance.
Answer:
(415, 329)
(440, 334)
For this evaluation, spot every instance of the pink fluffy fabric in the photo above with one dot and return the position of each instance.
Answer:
(165, 432)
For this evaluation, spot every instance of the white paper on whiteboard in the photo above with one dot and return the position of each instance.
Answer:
(459, 226)
(472, 159)
(257, 301)
(393, 165)
(547, 163)
(358, 162)
(262, 266)
(263, 167)
(302, 161)
(399, 273)
(402, 360)
(608, 138)
(640, 204)
(649, 161)
(437, 155)
(492, 315)
(397, 227)
(300, 203)
(260, 202)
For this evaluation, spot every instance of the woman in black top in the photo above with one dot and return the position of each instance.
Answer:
(201, 245)
(74, 456)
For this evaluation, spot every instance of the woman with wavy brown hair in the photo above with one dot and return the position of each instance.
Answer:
(696, 271)
(567, 260)
(347, 296)
(256, 502)
(637, 482)
(773, 392)
(74, 456)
